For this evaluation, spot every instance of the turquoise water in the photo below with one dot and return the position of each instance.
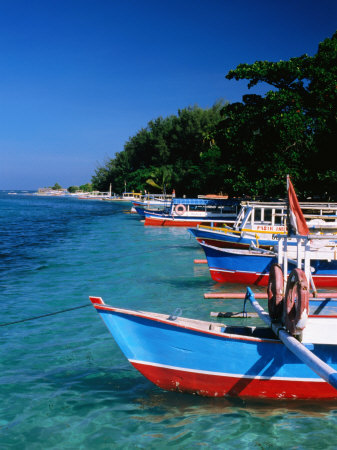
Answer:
(64, 382)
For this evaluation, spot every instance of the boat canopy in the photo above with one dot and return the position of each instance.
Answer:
(205, 202)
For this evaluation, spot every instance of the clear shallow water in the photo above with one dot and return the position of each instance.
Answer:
(65, 383)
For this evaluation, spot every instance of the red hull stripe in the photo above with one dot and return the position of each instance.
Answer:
(209, 384)
(224, 276)
(160, 222)
(259, 279)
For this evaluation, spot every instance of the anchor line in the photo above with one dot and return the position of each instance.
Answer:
(43, 315)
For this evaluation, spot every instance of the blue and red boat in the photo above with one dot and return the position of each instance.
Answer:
(230, 238)
(213, 359)
(152, 202)
(262, 222)
(228, 265)
(190, 212)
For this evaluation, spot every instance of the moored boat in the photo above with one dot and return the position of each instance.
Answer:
(262, 222)
(126, 197)
(190, 212)
(152, 202)
(96, 195)
(246, 266)
(214, 359)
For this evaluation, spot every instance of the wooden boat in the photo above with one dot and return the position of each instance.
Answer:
(213, 359)
(246, 266)
(193, 211)
(261, 222)
(152, 202)
(126, 197)
(96, 195)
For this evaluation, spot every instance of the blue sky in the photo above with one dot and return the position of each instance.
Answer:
(78, 78)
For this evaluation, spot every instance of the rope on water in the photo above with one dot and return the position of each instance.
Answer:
(44, 315)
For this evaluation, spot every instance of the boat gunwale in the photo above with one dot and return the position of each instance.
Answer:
(239, 251)
(233, 233)
(163, 318)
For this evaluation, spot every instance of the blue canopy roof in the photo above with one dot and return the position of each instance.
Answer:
(205, 201)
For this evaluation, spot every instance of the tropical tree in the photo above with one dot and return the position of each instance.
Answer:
(244, 148)
(73, 189)
(289, 130)
(166, 152)
(56, 187)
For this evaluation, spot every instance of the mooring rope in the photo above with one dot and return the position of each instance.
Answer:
(43, 315)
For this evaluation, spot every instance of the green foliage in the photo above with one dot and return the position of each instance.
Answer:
(56, 187)
(86, 187)
(161, 177)
(73, 189)
(292, 129)
(244, 148)
(162, 154)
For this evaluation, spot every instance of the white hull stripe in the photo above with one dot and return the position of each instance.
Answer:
(239, 271)
(224, 374)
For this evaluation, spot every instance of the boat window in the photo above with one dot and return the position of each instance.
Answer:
(279, 217)
(257, 215)
(197, 208)
(267, 215)
(216, 209)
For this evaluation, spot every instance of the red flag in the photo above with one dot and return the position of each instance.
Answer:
(296, 217)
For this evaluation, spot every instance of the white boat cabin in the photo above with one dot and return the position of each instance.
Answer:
(131, 196)
(271, 217)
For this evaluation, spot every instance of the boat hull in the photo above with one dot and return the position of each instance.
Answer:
(226, 240)
(230, 266)
(214, 385)
(140, 211)
(169, 220)
(186, 357)
(192, 212)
